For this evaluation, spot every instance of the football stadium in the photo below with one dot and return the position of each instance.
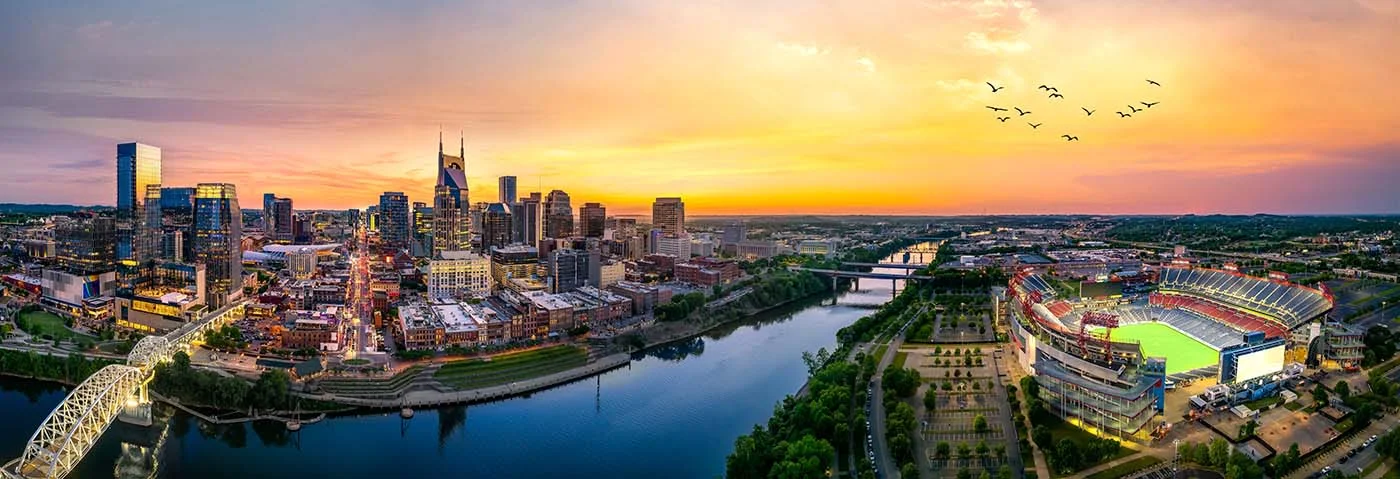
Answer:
(1105, 359)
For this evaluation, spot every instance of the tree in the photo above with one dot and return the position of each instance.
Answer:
(1342, 389)
(1000, 451)
(1320, 394)
(979, 423)
(1004, 472)
(909, 470)
(943, 450)
(982, 449)
(984, 475)
(964, 474)
(1041, 435)
(807, 457)
(964, 451)
(1219, 452)
(930, 400)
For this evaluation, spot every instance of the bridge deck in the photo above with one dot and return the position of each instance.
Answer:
(858, 274)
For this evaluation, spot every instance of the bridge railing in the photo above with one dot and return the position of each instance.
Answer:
(73, 427)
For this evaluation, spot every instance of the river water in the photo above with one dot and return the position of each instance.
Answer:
(674, 413)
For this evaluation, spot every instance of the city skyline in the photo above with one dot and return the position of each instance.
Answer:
(848, 108)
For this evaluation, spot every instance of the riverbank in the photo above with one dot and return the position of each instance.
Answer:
(435, 398)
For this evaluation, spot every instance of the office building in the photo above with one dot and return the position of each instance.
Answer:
(395, 223)
(528, 216)
(267, 200)
(302, 263)
(513, 261)
(495, 226)
(609, 273)
(592, 216)
(708, 271)
(218, 230)
(451, 220)
(138, 166)
(558, 215)
(422, 220)
(177, 200)
(476, 212)
(674, 245)
(570, 269)
(459, 275)
(279, 222)
(169, 295)
(506, 189)
(86, 245)
(668, 215)
(735, 233)
(817, 247)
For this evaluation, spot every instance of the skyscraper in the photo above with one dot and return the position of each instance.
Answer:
(668, 215)
(138, 166)
(495, 226)
(422, 220)
(558, 215)
(735, 233)
(528, 216)
(218, 234)
(395, 222)
(570, 269)
(506, 187)
(278, 220)
(593, 216)
(451, 223)
(268, 198)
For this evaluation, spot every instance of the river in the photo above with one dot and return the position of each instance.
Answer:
(675, 413)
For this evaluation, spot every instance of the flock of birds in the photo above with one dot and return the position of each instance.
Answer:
(1055, 93)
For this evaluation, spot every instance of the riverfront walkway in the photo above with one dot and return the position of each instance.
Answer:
(424, 398)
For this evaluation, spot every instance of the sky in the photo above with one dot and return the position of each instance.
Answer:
(738, 106)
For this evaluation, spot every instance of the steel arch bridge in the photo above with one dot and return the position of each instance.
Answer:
(74, 426)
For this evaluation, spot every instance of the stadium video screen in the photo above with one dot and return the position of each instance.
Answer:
(1259, 363)
(1105, 289)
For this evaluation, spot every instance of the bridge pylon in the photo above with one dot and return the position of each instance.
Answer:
(137, 410)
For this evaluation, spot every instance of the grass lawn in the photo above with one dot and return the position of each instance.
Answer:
(1126, 468)
(899, 358)
(44, 322)
(879, 352)
(1182, 352)
(1293, 406)
(479, 373)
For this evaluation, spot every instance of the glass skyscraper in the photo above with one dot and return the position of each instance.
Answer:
(218, 233)
(138, 167)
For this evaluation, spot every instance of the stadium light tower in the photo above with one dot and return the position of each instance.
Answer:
(1098, 318)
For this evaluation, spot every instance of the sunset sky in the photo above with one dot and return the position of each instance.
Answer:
(739, 106)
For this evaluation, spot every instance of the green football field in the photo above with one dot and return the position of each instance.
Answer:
(1182, 352)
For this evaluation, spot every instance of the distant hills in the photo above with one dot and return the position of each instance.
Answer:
(40, 209)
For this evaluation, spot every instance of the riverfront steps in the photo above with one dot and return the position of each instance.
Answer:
(426, 398)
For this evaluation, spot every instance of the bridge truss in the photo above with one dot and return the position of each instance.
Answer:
(76, 424)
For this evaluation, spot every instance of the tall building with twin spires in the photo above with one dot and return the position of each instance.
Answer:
(451, 221)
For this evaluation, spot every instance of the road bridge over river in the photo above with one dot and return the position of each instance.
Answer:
(116, 391)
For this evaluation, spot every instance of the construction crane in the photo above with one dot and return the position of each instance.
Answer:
(1098, 318)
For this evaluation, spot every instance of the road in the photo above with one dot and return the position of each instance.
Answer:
(883, 461)
(360, 300)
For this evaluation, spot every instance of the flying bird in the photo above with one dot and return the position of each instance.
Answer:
(1135, 110)
(1087, 112)
(1056, 90)
(1149, 105)
(1070, 138)
(994, 87)
(1122, 115)
(1003, 118)
(1154, 83)
(996, 109)
(1022, 112)
(1034, 125)
(1047, 88)
(1056, 95)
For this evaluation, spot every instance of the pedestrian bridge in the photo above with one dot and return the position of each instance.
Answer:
(116, 390)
